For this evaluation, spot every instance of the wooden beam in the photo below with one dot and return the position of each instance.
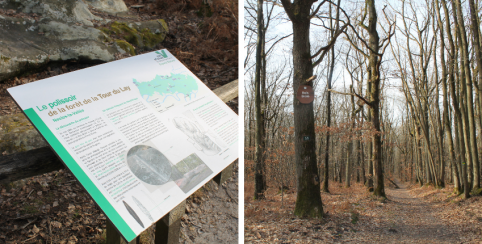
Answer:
(22, 165)
(227, 92)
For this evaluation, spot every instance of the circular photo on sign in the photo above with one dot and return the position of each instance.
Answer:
(149, 165)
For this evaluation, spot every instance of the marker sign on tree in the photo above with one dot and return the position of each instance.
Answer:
(305, 94)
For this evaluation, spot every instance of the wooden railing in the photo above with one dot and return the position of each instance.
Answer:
(42, 160)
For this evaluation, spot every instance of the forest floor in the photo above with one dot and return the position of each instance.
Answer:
(410, 214)
(54, 208)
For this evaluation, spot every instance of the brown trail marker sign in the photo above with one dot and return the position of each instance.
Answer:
(140, 134)
(305, 94)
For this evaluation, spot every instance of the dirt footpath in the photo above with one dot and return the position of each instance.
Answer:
(410, 214)
(408, 219)
(212, 214)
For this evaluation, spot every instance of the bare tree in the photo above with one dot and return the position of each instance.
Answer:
(308, 202)
(376, 49)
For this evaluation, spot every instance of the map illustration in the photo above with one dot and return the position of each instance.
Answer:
(165, 90)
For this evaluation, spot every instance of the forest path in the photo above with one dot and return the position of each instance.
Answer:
(408, 219)
(410, 214)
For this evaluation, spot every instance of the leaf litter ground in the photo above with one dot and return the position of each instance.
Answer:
(54, 208)
(411, 214)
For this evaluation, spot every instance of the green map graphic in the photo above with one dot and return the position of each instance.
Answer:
(178, 86)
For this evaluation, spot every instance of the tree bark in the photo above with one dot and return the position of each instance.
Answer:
(308, 201)
(469, 96)
(374, 63)
(446, 120)
(478, 54)
(328, 121)
(260, 143)
(466, 98)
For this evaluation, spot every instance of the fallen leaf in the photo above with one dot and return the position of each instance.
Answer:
(35, 229)
(56, 224)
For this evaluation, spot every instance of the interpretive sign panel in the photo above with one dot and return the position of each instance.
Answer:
(140, 134)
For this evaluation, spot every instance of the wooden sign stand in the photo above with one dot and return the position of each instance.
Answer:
(34, 162)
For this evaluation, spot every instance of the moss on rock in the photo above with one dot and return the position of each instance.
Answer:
(150, 39)
(14, 123)
(115, 30)
(129, 34)
(164, 24)
(4, 59)
(18, 135)
(126, 47)
(138, 36)
(106, 30)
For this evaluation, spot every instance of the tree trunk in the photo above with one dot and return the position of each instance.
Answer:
(478, 55)
(369, 182)
(446, 120)
(308, 201)
(347, 166)
(374, 63)
(350, 142)
(469, 96)
(439, 132)
(328, 121)
(260, 143)
(459, 134)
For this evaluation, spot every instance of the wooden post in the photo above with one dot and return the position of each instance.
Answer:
(113, 236)
(168, 228)
(225, 174)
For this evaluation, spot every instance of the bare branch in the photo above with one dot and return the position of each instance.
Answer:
(352, 94)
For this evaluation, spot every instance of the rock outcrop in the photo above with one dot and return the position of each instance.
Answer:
(17, 134)
(108, 6)
(36, 32)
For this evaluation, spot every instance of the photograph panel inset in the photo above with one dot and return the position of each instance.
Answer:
(194, 171)
(149, 165)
